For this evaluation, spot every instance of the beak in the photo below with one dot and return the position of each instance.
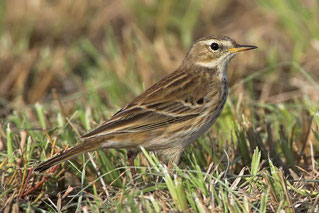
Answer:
(240, 48)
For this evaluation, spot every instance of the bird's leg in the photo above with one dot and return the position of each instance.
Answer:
(131, 155)
(174, 160)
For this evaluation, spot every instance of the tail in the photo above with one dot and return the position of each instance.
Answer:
(77, 150)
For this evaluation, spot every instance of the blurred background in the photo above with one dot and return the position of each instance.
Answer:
(121, 47)
(67, 65)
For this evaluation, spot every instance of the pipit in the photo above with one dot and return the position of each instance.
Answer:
(172, 113)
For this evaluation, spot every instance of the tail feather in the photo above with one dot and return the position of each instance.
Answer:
(73, 152)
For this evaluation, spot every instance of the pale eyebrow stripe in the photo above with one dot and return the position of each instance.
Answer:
(208, 42)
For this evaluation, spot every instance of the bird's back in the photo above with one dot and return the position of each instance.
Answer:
(190, 100)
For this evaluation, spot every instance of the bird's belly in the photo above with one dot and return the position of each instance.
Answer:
(184, 137)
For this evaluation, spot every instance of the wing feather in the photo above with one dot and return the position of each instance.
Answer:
(171, 100)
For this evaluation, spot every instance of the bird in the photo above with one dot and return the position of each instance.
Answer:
(172, 113)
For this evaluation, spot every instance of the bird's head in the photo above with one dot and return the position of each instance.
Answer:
(214, 52)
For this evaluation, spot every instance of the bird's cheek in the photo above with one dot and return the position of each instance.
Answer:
(208, 59)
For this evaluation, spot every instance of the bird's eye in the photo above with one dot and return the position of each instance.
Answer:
(214, 46)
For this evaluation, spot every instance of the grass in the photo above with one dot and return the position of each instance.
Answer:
(66, 67)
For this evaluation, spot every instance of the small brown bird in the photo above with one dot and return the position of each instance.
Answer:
(172, 113)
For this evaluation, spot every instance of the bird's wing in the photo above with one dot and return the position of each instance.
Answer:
(176, 98)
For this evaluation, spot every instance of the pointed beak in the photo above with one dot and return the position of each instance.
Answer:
(240, 48)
